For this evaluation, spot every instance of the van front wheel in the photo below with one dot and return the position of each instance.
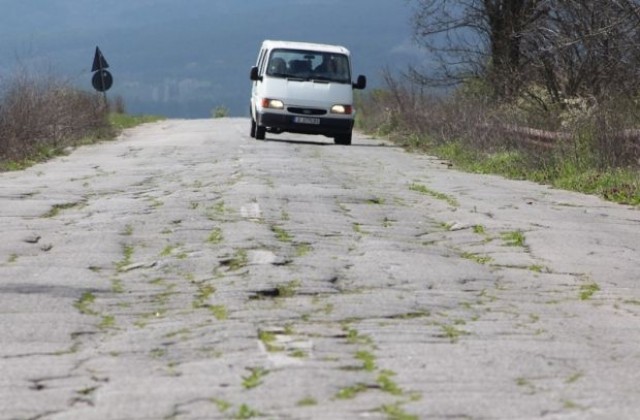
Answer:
(343, 139)
(260, 132)
(257, 132)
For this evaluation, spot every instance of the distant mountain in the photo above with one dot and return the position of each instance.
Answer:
(182, 59)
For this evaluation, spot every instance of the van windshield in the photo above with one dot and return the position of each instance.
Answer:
(309, 65)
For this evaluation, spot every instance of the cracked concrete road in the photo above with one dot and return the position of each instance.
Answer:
(186, 271)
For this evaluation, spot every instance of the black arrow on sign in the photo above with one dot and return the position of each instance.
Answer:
(99, 62)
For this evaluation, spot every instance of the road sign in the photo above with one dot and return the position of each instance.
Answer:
(102, 80)
(99, 62)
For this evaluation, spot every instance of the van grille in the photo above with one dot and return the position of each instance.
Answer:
(306, 111)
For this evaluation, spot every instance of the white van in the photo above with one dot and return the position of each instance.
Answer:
(303, 88)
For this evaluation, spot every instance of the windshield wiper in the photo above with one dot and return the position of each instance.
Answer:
(288, 76)
(329, 79)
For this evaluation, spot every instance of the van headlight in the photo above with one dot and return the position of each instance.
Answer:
(272, 103)
(342, 109)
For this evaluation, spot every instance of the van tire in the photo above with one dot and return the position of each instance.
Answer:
(253, 129)
(343, 139)
(260, 132)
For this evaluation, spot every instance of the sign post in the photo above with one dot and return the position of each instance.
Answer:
(102, 79)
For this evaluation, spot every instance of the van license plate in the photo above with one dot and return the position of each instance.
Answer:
(306, 120)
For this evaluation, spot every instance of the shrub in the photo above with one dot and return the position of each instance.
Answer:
(220, 112)
(42, 116)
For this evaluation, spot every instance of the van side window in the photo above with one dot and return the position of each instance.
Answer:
(261, 61)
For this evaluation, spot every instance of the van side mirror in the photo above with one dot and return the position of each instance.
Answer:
(361, 83)
(254, 74)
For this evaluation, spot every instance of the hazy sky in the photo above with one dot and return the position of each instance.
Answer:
(151, 44)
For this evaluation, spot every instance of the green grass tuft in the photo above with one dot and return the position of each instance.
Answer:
(588, 290)
(440, 196)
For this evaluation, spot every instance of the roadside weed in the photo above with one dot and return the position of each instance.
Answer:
(572, 405)
(574, 378)
(307, 401)
(479, 229)
(181, 332)
(204, 292)
(246, 412)
(588, 290)
(269, 338)
(354, 337)
(515, 238)
(219, 311)
(221, 404)
(108, 321)
(239, 260)
(396, 412)
(216, 211)
(350, 392)
(83, 304)
(480, 259)
(437, 195)
(281, 234)
(167, 251)
(255, 378)
(368, 360)
(298, 353)
(117, 286)
(387, 384)
(538, 268)
(452, 333)
(127, 252)
(302, 249)
(526, 384)
(288, 289)
(215, 237)
(376, 200)
(57, 208)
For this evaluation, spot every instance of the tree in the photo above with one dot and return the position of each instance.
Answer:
(587, 48)
(481, 38)
(571, 47)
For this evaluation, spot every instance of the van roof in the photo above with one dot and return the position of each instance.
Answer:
(271, 44)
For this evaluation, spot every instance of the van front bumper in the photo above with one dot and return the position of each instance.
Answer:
(286, 122)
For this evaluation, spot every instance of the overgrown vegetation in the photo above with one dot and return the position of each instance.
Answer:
(42, 117)
(591, 148)
(538, 90)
